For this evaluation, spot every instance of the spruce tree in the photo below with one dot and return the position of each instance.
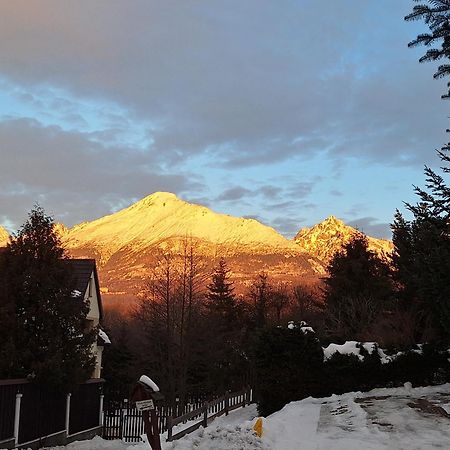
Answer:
(422, 245)
(226, 362)
(421, 269)
(357, 288)
(221, 301)
(47, 338)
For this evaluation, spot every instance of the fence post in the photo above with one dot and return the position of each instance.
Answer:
(227, 403)
(67, 420)
(169, 428)
(100, 414)
(17, 418)
(205, 415)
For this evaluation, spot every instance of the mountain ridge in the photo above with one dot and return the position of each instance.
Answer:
(126, 244)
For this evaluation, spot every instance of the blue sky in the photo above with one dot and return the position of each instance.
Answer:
(286, 111)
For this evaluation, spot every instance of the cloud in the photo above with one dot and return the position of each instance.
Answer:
(228, 78)
(235, 193)
(287, 226)
(372, 227)
(107, 101)
(74, 177)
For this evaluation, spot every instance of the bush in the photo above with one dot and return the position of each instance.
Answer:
(287, 364)
(429, 367)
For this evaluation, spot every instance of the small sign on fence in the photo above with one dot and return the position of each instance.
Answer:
(145, 405)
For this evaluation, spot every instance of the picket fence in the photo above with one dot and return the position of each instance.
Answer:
(123, 421)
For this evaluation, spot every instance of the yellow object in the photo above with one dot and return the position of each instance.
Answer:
(258, 427)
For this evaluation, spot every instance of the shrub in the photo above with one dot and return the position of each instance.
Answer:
(287, 363)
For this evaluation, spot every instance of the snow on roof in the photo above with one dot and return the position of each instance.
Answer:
(149, 382)
(104, 336)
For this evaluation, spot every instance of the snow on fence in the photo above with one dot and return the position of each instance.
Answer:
(31, 415)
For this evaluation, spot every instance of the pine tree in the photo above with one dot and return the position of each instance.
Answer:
(221, 302)
(435, 14)
(422, 245)
(422, 266)
(226, 362)
(357, 288)
(47, 338)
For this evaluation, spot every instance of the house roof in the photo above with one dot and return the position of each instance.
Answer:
(82, 270)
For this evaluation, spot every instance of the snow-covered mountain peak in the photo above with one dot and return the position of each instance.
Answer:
(163, 216)
(157, 199)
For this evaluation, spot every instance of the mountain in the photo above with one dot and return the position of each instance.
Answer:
(162, 216)
(4, 237)
(324, 239)
(126, 244)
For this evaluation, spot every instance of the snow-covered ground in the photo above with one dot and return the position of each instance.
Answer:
(395, 419)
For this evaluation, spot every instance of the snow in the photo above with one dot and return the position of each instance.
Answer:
(354, 348)
(149, 382)
(104, 336)
(75, 293)
(303, 327)
(307, 330)
(382, 419)
(169, 217)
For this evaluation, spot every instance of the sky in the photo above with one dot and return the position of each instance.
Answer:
(284, 111)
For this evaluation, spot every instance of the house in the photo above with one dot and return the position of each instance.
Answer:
(85, 283)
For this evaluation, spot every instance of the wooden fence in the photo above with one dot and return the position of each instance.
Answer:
(31, 415)
(123, 421)
(207, 412)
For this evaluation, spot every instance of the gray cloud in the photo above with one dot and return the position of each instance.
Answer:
(372, 227)
(233, 84)
(287, 226)
(235, 193)
(216, 75)
(75, 178)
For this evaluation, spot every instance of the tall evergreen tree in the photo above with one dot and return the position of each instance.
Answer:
(422, 266)
(221, 302)
(226, 361)
(47, 340)
(357, 288)
(422, 245)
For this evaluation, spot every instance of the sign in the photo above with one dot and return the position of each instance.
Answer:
(145, 405)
